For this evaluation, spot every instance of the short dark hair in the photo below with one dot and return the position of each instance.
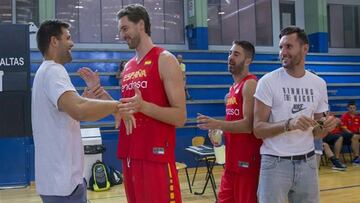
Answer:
(351, 103)
(135, 13)
(247, 46)
(48, 29)
(301, 34)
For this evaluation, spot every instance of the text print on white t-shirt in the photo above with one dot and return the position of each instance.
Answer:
(302, 100)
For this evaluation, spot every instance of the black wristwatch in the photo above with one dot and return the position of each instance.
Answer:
(287, 125)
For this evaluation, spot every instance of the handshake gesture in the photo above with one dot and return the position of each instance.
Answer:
(125, 107)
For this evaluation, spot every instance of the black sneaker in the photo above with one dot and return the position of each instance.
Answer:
(337, 165)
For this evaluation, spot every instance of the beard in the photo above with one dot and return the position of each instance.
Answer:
(292, 61)
(236, 68)
(68, 57)
(134, 42)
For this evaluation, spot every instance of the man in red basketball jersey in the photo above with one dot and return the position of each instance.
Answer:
(240, 179)
(152, 85)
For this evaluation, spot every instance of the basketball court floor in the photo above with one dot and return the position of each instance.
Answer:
(335, 187)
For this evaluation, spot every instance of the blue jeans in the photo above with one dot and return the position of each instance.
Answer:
(79, 195)
(283, 179)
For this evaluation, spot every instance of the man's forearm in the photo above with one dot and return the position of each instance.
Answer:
(239, 126)
(171, 115)
(106, 96)
(265, 130)
(93, 110)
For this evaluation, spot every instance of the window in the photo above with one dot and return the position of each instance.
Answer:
(229, 19)
(344, 26)
(156, 11)
(263, 23)
(68, 10)
(214, 22)
(287, 13)
(94, 21)
(109, 23)
(174, 22)
(26, 11)
(249, 20)
(5, 11)
(89, 21)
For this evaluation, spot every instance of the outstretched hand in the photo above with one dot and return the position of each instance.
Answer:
(125, 111)
(206, 122)
(94, 90)
(136, 102)
(95, 93)
(130, 123)
(88, 94)
(90, 77)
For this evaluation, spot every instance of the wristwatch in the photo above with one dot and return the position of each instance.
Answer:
(287, 125)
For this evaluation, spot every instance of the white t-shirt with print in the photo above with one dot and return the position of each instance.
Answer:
(59, 153)
(289, 97)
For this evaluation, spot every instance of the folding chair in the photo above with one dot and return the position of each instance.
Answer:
(197, 141)
(180, 166)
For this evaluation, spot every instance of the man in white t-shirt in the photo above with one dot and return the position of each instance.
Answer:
(56, 111)
(290, 110)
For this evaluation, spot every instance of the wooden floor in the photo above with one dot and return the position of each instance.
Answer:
(335, 187)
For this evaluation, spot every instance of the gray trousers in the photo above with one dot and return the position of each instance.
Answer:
(281, 180)
(79, 195)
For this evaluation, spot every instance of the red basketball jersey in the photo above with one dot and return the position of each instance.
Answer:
(151, 139)
(242, 149)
